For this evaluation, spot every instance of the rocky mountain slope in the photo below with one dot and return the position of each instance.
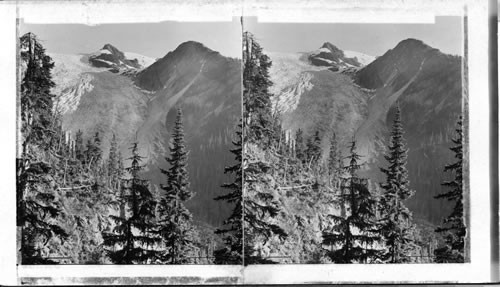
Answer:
(136, 101)
(360, 103)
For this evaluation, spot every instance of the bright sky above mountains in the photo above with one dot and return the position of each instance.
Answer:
(157, 39)
(371, 39)
(154, 40)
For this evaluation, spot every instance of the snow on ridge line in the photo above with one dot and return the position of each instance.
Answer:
(105, 51)
(363, 59)
(144, 61)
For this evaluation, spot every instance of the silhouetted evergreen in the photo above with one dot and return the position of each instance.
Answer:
(453, 227)
(355, 233)
(175, 221)
(257, 107)
(232, 252)
(36, 202)
(261, 128)
(314, 149)
(396, 224)
(133, 240)
(334, 161)
(300, 152)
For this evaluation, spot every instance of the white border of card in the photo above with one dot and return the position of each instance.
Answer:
(393, 11)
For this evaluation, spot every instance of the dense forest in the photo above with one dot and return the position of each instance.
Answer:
(288, 204)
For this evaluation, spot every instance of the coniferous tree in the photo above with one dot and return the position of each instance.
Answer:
(453, 227)
(356, 232)
(96, 148)
(299, 145)
(175, 223)
(133, 240)
(334, 161)
(260, 130)
(112, 167)
(257, 107)
(79, 148)
(396, 219)
(37, 205)
(232, 252)
(314, 148)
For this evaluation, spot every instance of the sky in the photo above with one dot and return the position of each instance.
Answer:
(154, 40)
(157, 39)
(372, 39)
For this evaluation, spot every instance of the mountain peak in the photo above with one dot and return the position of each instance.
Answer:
(111, 48)
(193, 46)
(110, 57)
(413, 45)
(331, 56)
(331, 47)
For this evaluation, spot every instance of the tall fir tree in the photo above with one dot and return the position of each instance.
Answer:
(334, 162)
(36, 198)
(453, 227)
(232, 252)
(112, 168)
(260, 131)
(314, 148)
(79, 148)
(96, 151)
(299, 145)
(175, 221)
(396, 220)
(356, 232)
(258, 122)
(134, 239)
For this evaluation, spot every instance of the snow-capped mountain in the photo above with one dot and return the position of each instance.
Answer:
(138, 103)
(359, 101)
(336, 59)
(117, 61)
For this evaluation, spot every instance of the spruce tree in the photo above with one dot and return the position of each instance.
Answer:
(453, 227)
(36, 185)
(334, 161)
(232, 252)
(79, 148)
(175, 224)
(355, 233)
(112, 168)
(314, 148)
(257, 108)
(299, 146)
(96, 151)
(396, 219)
(134, 240)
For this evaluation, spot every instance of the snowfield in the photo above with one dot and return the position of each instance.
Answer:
(289, 73)
(68, 70)
(363, 59)
(144, 61)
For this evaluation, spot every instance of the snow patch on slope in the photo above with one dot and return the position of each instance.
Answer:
(363, 59)
(68, 101)
(144, 61)
(67, 70)
(289, 73)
